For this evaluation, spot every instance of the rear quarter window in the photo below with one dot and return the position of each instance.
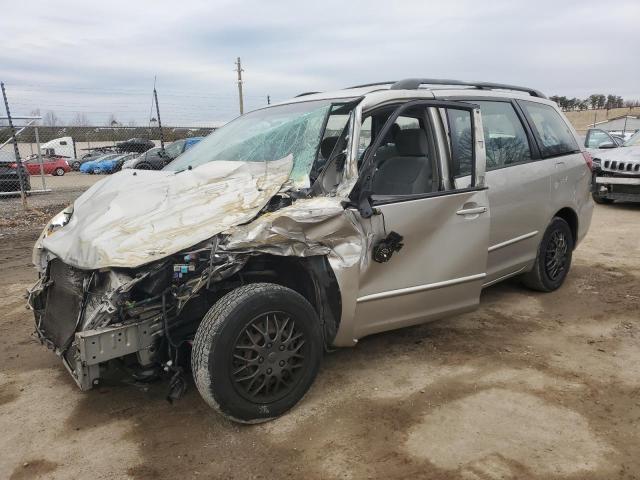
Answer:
(552, 133)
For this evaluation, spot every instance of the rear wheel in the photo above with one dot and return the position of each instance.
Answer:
(257, 352)
(554, 258)
(75, 165)
(143, 166)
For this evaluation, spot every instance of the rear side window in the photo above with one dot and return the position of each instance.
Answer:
(504, 136)
(553, 134)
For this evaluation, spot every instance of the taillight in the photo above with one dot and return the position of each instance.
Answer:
(588, 159)
(13, 165)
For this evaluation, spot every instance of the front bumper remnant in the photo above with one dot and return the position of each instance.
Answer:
(93, 347)
(617, 188)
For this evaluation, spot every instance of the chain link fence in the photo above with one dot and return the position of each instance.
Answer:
(57, 164)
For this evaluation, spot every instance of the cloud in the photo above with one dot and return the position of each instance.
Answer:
(101, 57)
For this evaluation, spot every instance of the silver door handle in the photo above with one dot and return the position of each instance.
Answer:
(471, 211)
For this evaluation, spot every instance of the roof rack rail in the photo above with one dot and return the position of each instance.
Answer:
(305, 94)
(414, 84)
(375, 84)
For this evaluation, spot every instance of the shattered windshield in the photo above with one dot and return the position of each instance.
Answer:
(265, 135)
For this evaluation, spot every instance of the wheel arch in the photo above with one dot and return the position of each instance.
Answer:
(569, 215)
(312, 277)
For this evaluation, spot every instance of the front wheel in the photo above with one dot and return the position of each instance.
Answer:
(554, 258)
(59, 172)
(257, 352)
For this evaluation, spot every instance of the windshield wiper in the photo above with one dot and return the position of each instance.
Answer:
(180, 171)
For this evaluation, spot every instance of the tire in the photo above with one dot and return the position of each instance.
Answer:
(59, 172)
(75, 166)
(143, 166)
(600, 200)
(553, 260)
(228, 344)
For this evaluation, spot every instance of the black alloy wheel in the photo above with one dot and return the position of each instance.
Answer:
(257, 352)
(268, 358)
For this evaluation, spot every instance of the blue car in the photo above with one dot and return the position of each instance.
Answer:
(110, 165)
(88, 167)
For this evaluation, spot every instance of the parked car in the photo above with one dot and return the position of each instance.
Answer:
(616, 173)
(93, 154)
(114, 164)
(135, 145)
(89, 166)
(133, 161)
(274, 239)
(55, 165)
(10, 177)
(157, 159)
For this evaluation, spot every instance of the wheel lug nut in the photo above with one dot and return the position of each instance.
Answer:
(281, 348)
(269, 345)
(260, 360)
(269, 371)
(281, 363)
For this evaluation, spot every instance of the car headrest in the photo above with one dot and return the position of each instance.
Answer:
(411, 143)
(327, 145)
(392, 134)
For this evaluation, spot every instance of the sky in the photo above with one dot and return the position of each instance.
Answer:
(101, 58)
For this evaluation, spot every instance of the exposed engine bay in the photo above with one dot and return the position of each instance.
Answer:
(145, 317)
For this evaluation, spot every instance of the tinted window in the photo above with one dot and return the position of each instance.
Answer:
(504, 136)
(553, 134)
(460, 139)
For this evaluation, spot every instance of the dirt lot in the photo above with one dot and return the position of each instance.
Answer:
(528, 386)
(582, 121)
(64, 190)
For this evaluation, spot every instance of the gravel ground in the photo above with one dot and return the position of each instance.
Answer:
(528, 386)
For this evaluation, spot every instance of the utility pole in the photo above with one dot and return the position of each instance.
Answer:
(155, 96)
(268, 100)
(19, 166)
(239, 70)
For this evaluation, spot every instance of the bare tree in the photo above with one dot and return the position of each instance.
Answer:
(80, 120)
(112, 121)
(50, 119)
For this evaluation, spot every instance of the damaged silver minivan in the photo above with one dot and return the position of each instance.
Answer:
(306, 225)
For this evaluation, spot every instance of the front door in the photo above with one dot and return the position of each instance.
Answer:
(441, 265)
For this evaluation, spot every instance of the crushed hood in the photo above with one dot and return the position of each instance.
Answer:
(135, 217)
